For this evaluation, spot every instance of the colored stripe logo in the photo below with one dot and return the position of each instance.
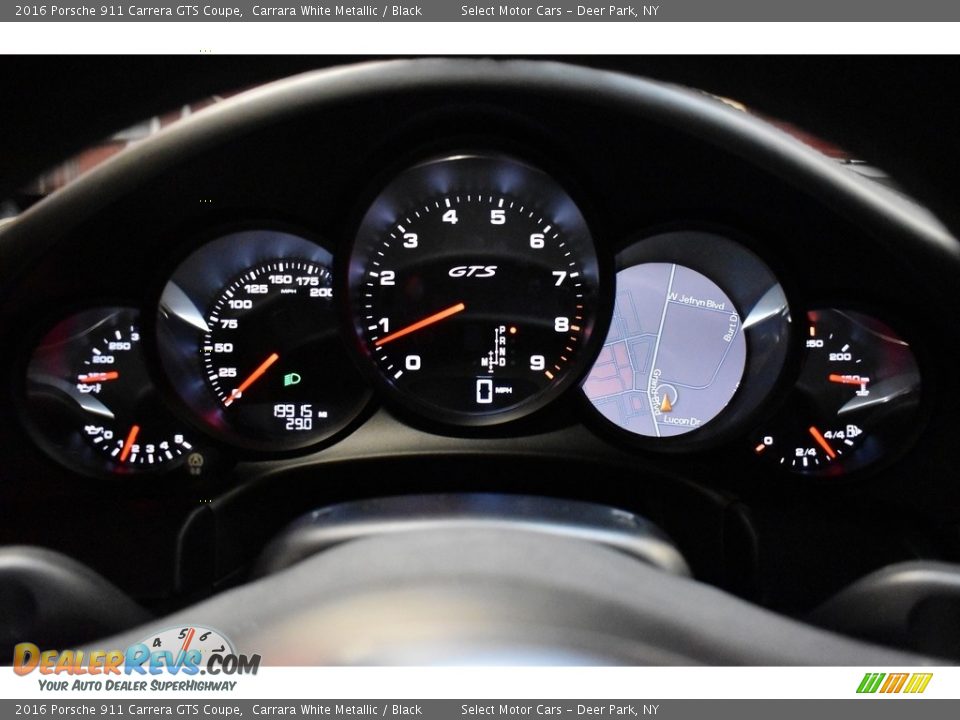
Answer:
(913, 683)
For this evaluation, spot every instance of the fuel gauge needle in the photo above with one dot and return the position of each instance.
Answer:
(419, 324)
(254, 376)
(128, 444)
(822, 442)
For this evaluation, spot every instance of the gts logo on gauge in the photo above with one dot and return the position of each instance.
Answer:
(474, 286)
(477, 271)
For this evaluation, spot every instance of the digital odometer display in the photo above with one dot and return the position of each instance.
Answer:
(474, 286)
(260, 353)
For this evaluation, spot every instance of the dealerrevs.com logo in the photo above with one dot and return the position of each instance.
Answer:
(891, 683)
(183, 651)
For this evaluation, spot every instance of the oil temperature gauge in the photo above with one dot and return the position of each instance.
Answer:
(856, 397)
(91, 403)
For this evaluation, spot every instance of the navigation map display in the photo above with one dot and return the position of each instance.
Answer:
(675, 353)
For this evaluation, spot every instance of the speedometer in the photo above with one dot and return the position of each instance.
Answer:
(247, 332)
(259, 352)
(474, 287)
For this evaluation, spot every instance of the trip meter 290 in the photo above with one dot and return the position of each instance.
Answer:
(474, 289)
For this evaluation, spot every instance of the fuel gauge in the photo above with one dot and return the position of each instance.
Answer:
(857, 395)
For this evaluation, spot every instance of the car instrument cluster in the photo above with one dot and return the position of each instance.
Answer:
(471, 292)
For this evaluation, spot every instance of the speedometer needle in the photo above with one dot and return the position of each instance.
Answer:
(822, 442)
(254, 376)
(435, 318)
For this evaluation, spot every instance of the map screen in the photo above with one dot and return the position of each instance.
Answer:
(675, 353)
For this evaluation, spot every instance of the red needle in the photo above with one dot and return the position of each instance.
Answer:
(131, 438)
(822, 442)
(188, 639)
(848, 379)
(254, 376)
(435, 318)
(99, 377)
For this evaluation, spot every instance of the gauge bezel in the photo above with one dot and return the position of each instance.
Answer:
(267, 241)
(514, 171)
(720, 255)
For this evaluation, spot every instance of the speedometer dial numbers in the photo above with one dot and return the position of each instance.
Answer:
(248, 334)
(273, 308)
(474, 286)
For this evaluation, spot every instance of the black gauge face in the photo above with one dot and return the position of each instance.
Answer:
(90, 397)
(474, 288)
(858, 391)
(262, 363)
(261, 356)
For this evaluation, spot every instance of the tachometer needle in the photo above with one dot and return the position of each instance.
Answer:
(435, 318)
(128, 444)
(98, 377)
(822, 442)
(254, 376)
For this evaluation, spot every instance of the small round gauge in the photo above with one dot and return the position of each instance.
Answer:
(90, 398)
(858, 390)
(248, 334)
(698, 340)
(474, 287)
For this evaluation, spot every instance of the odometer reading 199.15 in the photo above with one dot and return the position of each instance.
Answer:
(474, 302)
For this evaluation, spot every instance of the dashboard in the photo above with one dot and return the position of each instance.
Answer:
(516, 278)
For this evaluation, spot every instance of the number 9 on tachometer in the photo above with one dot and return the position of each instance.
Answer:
(474, 287)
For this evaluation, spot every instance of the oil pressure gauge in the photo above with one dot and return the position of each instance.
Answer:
(92, 405)
(857, 394)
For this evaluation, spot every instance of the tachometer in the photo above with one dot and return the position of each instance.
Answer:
(474, 287)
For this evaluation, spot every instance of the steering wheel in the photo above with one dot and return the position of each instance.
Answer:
(476, 589)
